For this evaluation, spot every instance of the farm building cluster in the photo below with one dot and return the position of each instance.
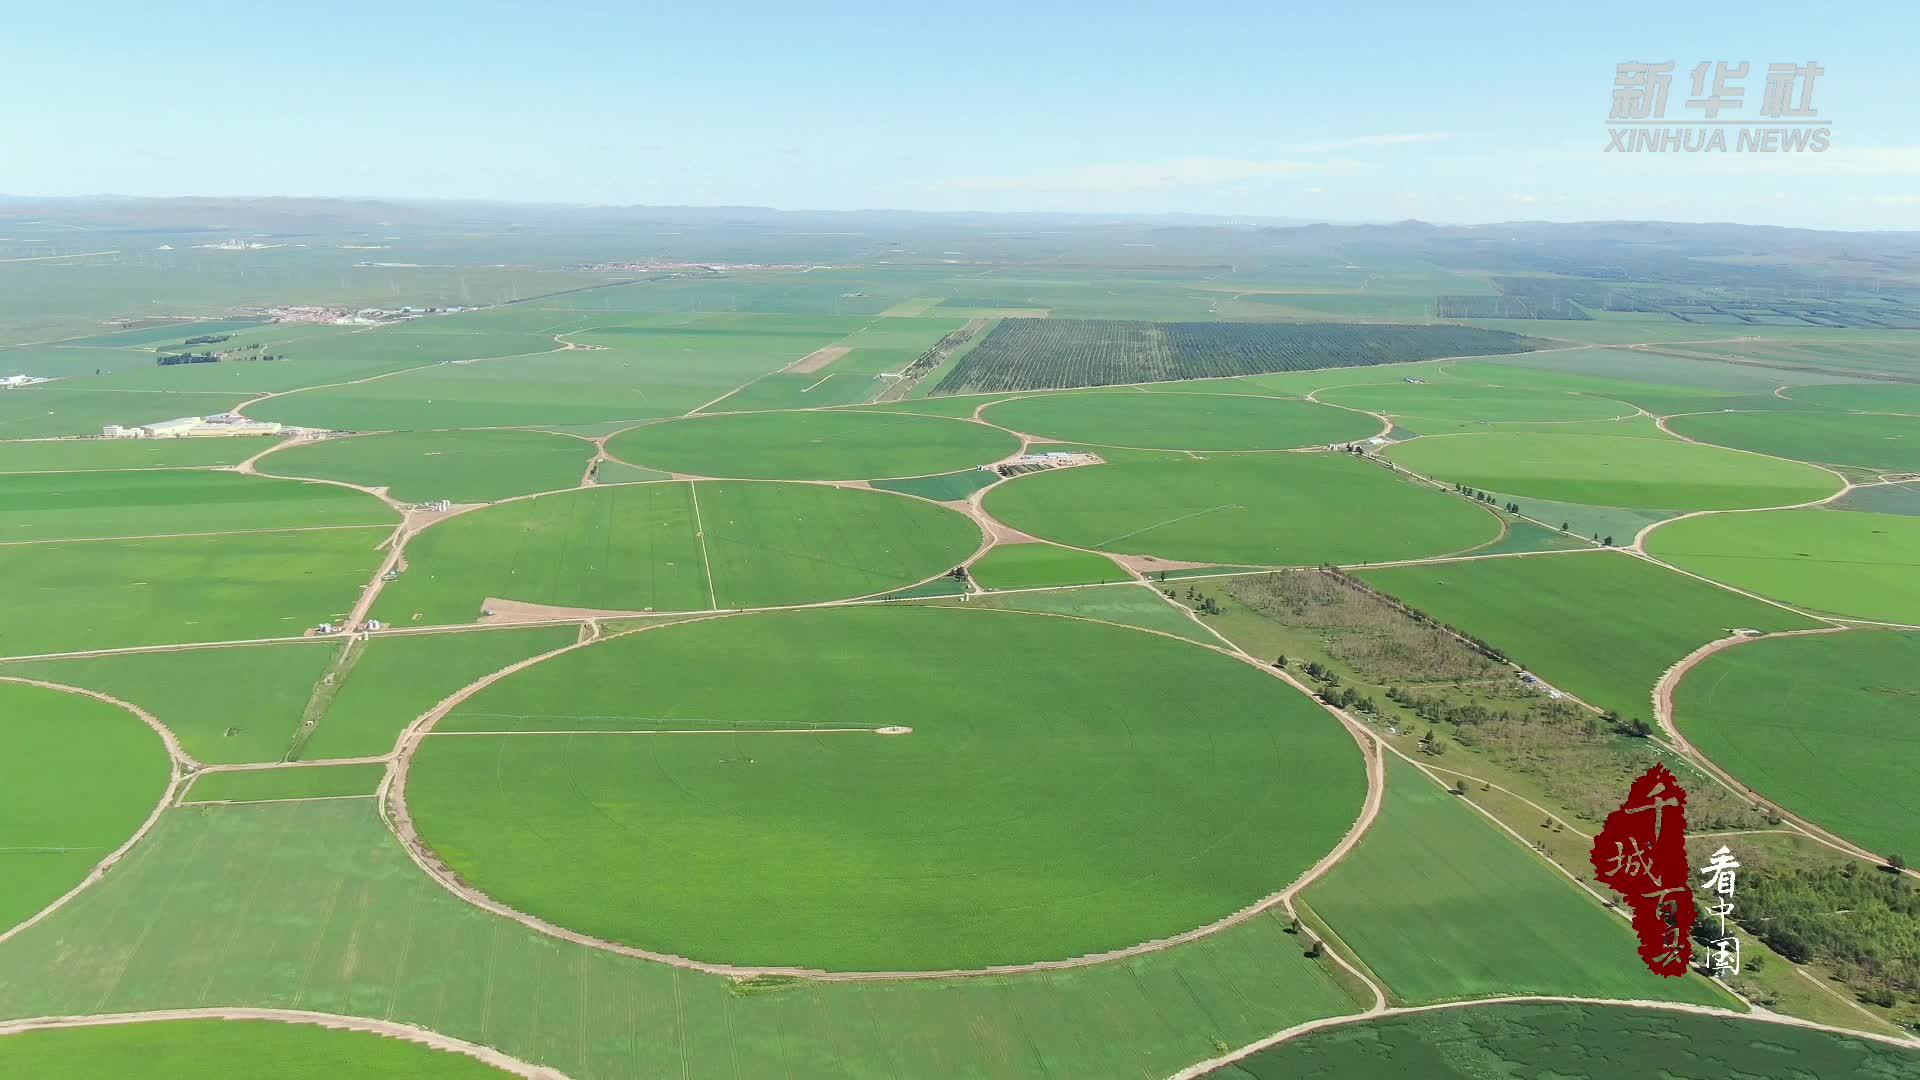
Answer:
(1041, 462)
(199, 427)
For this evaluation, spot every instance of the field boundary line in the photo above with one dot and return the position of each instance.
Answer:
(180, 765)
(706, 558)
(337, 1021)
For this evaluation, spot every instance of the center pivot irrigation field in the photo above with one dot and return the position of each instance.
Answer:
(835, 663)
(1066, 788)
(677, 547)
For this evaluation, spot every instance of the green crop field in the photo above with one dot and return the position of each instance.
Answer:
(1865, 440)
(1442, 906)
(1601, 625)
(946, 487)
(1872, 397)
(109, 505)
(1026, 566)
(1764, 710)
(39, 412)
(1410, 403)
(1126, 604)
(61, 597)
(1655, 474)
(962, 844)
(630, 369)
(87, 455)
(459, 466)
(677, 546)
(329, 887)
(812, 445)
(1608, 1041)
(286, 782)
(1858, 564)
(226, 705)
(1193, 421)
(394, 679)
(195, 1049)
(81, 777)
(1256, 509)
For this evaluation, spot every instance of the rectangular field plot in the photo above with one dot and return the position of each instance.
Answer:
(102, 505)
(286, 783)
(1028, 566)
(334, 918)
(1602, 625)
(1442, 906)
(62, 597)
(88, 455)
(1035, 354)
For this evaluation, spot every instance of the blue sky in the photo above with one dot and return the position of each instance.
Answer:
(1333, 111)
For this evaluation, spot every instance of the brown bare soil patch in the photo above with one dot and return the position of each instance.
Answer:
(818, 359)
(515, 611)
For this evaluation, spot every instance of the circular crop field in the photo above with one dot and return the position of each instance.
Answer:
(812, 445)
(1063, 788)
(1611, 470)
(96, 773)
(1822, 724)
(1865, 440)
(677, 546)
(1255, 509)
(1177, 421)
(1845, 563)
(460, 466)
(1471, 402)
(1868, 397)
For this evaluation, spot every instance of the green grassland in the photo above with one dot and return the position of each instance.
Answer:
(159, 502)
(194, 1049)
(1593, 522)
(885, 345)
(1601, 625)
(1256, 509)
(811, 445)
(87, 455)
(1410, 403)
(608, 471)
(289, 782)
(1541, 1040)
(1602, 470)
(227, 706)
(1086, 765)
(1128, 605)
(461, 466)
(61, 597)
(1193, 421)
(1870, 397)
(1868, 440)
(81, 777)
(1441, 905)
(335, 918)
(1821, 724)
(394, 679)
(1027, 566)
(653, 547)
(1859, 564)
(40, 412)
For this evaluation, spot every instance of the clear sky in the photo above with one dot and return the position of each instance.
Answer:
(1329, 111)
